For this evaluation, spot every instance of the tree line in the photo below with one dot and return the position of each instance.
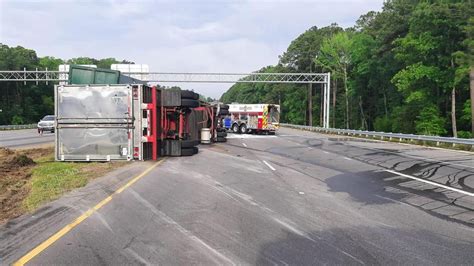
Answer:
(27, 103)
(404, 69)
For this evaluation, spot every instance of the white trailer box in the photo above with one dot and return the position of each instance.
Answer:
(103, 122)
(141, 70)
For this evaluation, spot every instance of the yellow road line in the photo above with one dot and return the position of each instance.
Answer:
(48, 242)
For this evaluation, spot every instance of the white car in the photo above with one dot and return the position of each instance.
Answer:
(46, 123)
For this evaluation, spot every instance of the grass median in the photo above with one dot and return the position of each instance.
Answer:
(31, 178)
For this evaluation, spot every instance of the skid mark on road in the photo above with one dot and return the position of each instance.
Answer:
(136, 256)
(104, 222)
(184, 231)
(281, 220)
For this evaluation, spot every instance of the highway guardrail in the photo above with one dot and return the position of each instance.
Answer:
(385, 135)
(13, 127)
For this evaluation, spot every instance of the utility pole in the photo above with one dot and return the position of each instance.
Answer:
(310, 99)
(471, 79)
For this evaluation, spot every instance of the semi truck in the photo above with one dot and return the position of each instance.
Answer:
(253, 118)
(128, 122)
(102, 115)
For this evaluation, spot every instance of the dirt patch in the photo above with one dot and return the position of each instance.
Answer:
(30, 178)
(15, 172)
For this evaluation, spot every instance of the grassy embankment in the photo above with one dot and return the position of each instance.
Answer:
(31, 178)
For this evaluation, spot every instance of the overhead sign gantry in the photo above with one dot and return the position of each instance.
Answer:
(174, 77)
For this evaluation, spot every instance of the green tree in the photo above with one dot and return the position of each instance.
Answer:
(299, 57)
(334, 55)
(50, 63)
(82, 61)
(107, 62)
(435, 37)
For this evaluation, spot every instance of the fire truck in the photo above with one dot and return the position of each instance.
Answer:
(253, 118)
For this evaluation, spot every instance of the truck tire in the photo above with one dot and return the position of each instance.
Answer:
(189, 95)
(235, 128)
(189, 103)
(221, 134)
(189, 151)
(221, 139)
(243, 129)
(224, 112)
(189, 143)
(224, 107)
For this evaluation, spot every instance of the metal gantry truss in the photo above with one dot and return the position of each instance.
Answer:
(301, 78)
(232, 77)
(32, 75)
(163, 77)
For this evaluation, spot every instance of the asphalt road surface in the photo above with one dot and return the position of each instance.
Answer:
(25, 138)
(295, 198)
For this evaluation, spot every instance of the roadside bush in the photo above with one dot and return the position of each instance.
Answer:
(17, 120)
(464, 134)
(383, 124)
(429, 122)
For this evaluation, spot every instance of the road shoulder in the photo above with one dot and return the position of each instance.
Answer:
(22, 234)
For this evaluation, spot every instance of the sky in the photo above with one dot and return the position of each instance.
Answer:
(173, 36)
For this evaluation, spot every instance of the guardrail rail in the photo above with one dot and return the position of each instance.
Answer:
(383, 135)
(14, 127)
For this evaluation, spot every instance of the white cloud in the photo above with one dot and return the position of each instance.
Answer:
(178, 36)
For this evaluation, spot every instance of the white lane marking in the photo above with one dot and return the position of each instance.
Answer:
(269, 165)
(432, 183)
(301, 193)
(326, 152)
(347, 158)
(245, 145)
(249, 136)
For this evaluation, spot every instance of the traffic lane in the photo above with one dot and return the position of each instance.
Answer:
(460, 158)
(237, 210)
(24, 138)
(317, 149)
(437, 165)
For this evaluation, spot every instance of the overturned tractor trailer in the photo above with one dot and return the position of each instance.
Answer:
(128, 122)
